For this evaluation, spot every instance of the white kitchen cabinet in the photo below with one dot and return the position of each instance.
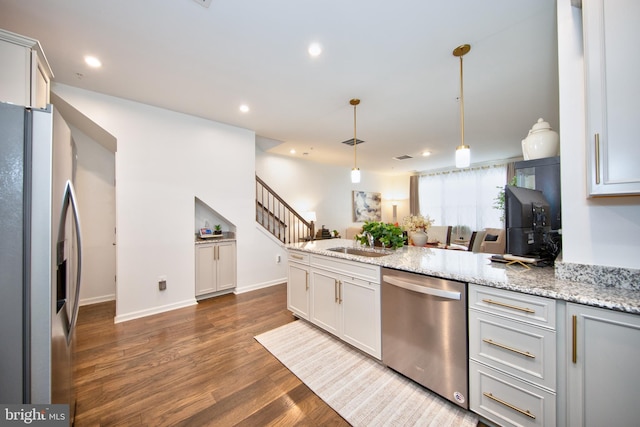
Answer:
(298, 284)
(347, 307)
(512, 352)
(344, 298)
(215, 267)
(603, 379)
(612, 93)
(25, 75)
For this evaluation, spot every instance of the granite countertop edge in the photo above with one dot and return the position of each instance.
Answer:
(478, 268)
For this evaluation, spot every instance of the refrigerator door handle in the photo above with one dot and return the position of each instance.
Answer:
(70, 199)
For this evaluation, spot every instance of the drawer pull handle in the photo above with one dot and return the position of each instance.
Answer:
(509, 405)
(597, 144)
(506, 347)
(306, 280)
(574, 355)
(297, 257)
(502, 304)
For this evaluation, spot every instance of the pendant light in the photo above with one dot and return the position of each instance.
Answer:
(463, 152)
(355, 172)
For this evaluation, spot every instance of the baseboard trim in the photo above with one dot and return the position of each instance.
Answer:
(262, 285)
(155, 310)
(97, 300)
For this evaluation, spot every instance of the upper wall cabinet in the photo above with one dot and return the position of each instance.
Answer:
(25, 75)
(611, 32)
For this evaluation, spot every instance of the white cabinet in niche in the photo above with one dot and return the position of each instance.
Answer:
(215, 267)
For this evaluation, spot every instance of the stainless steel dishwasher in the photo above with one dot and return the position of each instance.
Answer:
(424, 332)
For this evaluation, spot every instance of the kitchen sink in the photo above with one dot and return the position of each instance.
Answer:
(360, 252)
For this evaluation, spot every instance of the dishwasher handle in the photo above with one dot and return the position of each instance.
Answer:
(420, 288)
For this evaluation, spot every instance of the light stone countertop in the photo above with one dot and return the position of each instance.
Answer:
(478, 268)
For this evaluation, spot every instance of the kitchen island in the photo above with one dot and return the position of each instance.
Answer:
(479, 269)
(543, 351)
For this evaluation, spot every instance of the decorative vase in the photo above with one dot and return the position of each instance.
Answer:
(419, 238)
(541, 142)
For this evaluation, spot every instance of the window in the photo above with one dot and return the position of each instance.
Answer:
(463, 198)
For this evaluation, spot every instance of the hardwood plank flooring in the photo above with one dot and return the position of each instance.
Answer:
(195, 366)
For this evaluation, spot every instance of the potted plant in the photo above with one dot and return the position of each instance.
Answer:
(384, 234)
(217, 229)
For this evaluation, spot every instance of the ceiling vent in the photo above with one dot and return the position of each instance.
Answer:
(403, 157)
(203, 3)
(349, 142)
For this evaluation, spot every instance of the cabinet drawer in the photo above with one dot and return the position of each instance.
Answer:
(508, 401)
(520, 349)
(299, 257)
(368, 272)
(529, 308)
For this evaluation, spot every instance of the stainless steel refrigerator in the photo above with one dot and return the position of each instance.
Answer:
(40, 257)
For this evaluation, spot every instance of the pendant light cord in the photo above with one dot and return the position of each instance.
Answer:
(355, 140)
(461, 105)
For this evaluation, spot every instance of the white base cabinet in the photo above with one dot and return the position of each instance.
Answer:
(215, 267)
(512, 351)
(343, 298)
(603, 379)
(298, 284)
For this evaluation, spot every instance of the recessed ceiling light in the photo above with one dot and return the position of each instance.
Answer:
(292, 151)
(244, 108)
(315, 49)
(92, 61)
(426, 153)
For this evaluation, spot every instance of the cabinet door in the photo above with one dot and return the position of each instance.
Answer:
(603, 376)
(15, 72)
(612, 93)
(226, 265)
(298, 290)
(325, 300)
(205, 269)
(361, 315)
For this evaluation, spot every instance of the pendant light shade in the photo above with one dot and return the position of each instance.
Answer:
(355, 172)
(463, 152)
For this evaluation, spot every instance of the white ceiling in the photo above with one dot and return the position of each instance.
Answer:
(395, 56)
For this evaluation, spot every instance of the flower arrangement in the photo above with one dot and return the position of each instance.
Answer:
(413, 223)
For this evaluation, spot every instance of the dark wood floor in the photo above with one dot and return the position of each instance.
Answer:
(194, 366)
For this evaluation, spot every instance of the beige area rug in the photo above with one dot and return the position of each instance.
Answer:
(363, 391)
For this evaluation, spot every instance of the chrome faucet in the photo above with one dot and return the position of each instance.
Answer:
(369, 238)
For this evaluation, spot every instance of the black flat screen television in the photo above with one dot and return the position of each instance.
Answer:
(527, 221)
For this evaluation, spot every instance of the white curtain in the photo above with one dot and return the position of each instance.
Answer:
(463, 197)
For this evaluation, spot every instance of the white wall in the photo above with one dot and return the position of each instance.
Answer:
(160, 167)
(327, 189)
(598, 231)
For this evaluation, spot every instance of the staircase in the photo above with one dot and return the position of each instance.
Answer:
(277, 217)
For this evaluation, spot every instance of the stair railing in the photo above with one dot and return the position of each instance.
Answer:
(280, 219)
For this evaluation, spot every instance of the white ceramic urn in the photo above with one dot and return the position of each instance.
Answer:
(542, 141)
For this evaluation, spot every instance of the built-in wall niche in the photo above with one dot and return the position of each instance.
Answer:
(206, 216)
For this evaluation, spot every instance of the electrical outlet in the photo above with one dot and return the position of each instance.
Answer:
(203, 3)
(278, 259)
(162, 283)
